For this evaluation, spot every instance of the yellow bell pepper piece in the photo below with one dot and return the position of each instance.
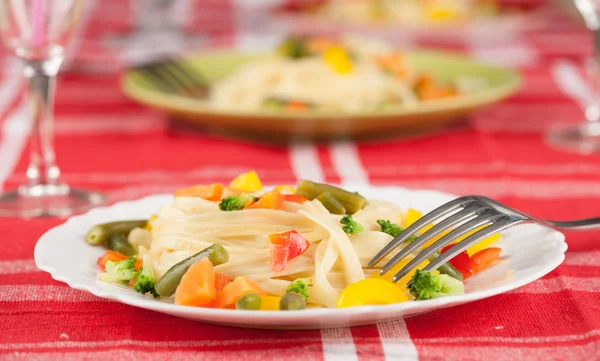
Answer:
(485, 243)
(412, 215)
(248, 182)
(269, 303)
(404, 280)
(339, 59)
(371, 291)
(285, 189)
(443, 14)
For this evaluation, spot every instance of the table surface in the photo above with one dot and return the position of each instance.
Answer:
(107, 142)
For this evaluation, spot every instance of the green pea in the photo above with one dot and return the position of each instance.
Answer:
(292, 301)
(249, 301)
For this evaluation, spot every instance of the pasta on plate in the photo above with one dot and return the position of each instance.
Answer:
(351, 75)
(286, 248)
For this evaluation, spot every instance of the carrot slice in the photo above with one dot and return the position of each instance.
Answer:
(270, 200)
(113, 256)
(197, 286)
(236, 289)
(221, 281)
(210, 193)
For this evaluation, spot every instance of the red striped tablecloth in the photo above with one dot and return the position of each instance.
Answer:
(107, 142)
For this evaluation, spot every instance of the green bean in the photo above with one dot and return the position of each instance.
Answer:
(447, 268)
(292, 301)
(353, 202)
(333, 205)
(249, 301)
(167, 284)
(100, 233)
(118, 242)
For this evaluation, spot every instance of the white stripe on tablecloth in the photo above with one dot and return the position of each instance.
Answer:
(561, 283)
(208, 343)
(18, 266)
(394, 335)
(506, 49)
(516, 340)
(347, 164)
(15, 131)
(19, 293)
(434, 169)
(570, 82)
(305, 162)
(158, 344)
(338, 344)
(396, 341)
(589, 258)
(575, 352)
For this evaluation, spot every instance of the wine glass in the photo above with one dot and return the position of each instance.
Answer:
(37, 31)
(585, 137)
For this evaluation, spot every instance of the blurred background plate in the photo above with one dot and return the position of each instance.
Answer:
(507, 16)
(284, 125)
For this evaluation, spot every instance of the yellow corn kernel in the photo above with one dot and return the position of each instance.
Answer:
(248, 182)
(269, 303)
(148, 226)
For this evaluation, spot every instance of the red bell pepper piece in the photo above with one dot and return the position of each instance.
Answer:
(485, 258)
(296, 198)
(461, 262)
(285, 247)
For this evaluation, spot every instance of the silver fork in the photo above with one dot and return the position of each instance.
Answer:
(461, 216)
(175, 76)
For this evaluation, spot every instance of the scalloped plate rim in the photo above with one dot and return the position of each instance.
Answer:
(277, 319)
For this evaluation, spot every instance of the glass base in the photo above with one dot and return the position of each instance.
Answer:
(584, 138)
(47, 200)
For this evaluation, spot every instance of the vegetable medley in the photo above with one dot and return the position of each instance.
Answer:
(196, 280)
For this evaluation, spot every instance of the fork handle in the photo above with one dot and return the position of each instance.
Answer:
(581, 224)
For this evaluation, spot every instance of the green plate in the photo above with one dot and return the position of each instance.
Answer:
(283, 125)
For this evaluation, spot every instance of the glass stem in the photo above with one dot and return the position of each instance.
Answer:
(592, 113)
(41, 75)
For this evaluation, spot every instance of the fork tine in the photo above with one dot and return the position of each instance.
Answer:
(430, 217)
(195, 75)
(188, 78)
(159, 80)
(176, 76)
(465, 215)
(485, 218)
(498, 226)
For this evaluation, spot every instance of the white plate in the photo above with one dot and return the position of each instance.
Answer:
(530, 252)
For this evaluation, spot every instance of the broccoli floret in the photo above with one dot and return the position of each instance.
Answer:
(350, 226)
(145, 282)
(427, 285)
(299, 286)
(236, 203)
(393, 229)
(122, 271)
